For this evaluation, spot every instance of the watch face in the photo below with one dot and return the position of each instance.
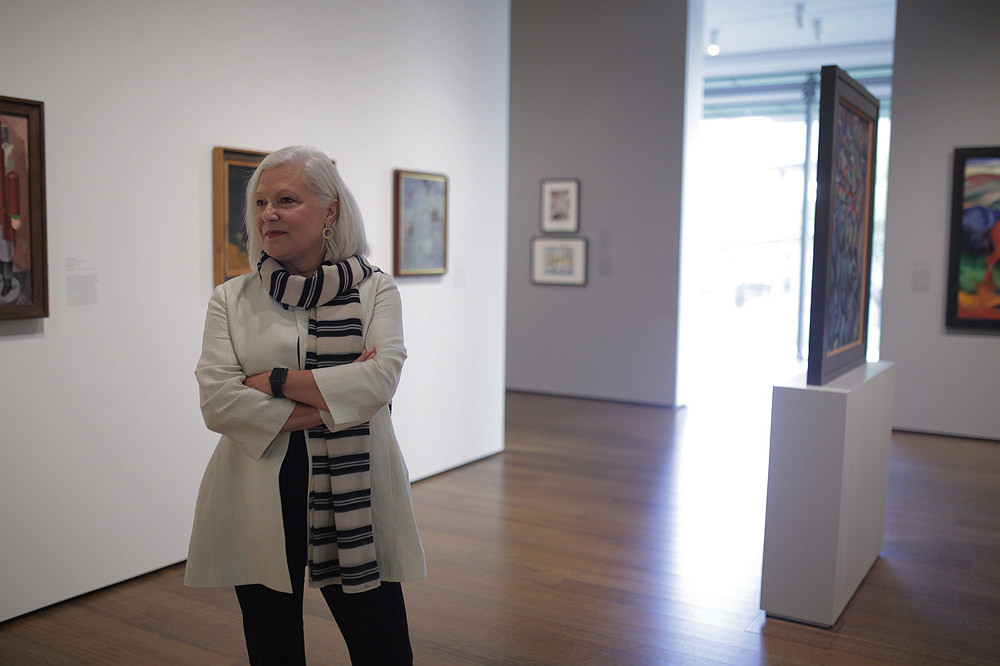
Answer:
(277, 378)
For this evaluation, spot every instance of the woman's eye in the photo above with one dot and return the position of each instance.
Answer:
(286, 201)
(261, 203)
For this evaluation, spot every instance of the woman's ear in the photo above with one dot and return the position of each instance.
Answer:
(333, 211)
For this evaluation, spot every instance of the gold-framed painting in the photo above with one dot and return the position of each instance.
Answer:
(231, 171)
(420, 223)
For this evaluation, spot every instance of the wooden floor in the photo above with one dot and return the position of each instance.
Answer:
(611, 534)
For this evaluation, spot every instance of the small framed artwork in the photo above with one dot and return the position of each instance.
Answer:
(24, 292)
(842, 250)
(561, 206)
(231, 171)
(559, 261)
(973, 294)
(420, 223)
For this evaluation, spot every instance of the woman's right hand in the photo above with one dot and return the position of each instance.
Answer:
(366, 355)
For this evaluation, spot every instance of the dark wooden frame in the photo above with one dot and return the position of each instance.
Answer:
(229, 246)
(975, 233)
(576, 244)
(33, 186)
(549, 224)
(412, 226)
(842, 250)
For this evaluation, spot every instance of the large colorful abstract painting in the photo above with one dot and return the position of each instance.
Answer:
(973, 295)
(845, 185)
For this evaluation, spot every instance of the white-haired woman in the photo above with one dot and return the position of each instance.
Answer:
(300, 360)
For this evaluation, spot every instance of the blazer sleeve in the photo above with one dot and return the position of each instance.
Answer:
(248, 417)
(355, 392)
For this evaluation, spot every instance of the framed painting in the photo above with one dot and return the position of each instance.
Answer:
(561, 206)
(420, 223)
(974, 252)
(560, 261)
(231, 171)
(845, 186)
(24, 292)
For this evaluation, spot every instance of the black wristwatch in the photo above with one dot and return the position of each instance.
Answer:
(277, 378)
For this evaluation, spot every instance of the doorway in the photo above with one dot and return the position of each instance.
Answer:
(746, 257)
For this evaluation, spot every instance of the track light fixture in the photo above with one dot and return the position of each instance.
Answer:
(713, 43)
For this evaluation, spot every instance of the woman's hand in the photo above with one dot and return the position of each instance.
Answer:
(261, 382)
(366, 355)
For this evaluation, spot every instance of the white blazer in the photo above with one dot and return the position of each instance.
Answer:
(238, 537)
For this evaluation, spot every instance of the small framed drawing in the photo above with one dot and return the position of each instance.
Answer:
(24, 292)
(561, 206)
(231, 171)
(559, 261)
(973, 294)
(420, 223)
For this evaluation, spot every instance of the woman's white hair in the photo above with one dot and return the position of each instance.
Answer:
(324, 180)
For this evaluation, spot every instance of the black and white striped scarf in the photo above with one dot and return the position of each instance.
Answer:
(341, 539)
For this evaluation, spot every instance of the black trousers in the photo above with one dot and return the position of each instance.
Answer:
(373, 623)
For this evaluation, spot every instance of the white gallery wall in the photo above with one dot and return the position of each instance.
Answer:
(102, 438)
(945, 95)
(597, 94)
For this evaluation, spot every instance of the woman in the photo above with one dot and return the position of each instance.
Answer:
(299, 362)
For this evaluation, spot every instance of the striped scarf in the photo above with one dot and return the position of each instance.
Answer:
(341, 539)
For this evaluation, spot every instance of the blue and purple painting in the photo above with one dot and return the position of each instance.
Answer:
(845, 317)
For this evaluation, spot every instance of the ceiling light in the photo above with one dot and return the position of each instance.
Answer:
(713, 43)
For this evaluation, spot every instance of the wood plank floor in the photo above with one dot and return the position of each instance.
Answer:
(611, 534)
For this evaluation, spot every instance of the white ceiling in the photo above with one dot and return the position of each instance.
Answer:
(777, 36)
(769, 48)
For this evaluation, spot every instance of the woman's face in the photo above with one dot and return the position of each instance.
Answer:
(290, 219)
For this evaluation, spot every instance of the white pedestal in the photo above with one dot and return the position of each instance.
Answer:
(826, 488)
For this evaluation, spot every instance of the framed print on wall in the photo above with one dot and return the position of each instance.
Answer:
(231, 171)
(24, 292)
(974, 252)
(561, 206)
(559, 261)
(420, 223)
(842, 250)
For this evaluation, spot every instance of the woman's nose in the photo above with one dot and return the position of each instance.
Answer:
(268, 212)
